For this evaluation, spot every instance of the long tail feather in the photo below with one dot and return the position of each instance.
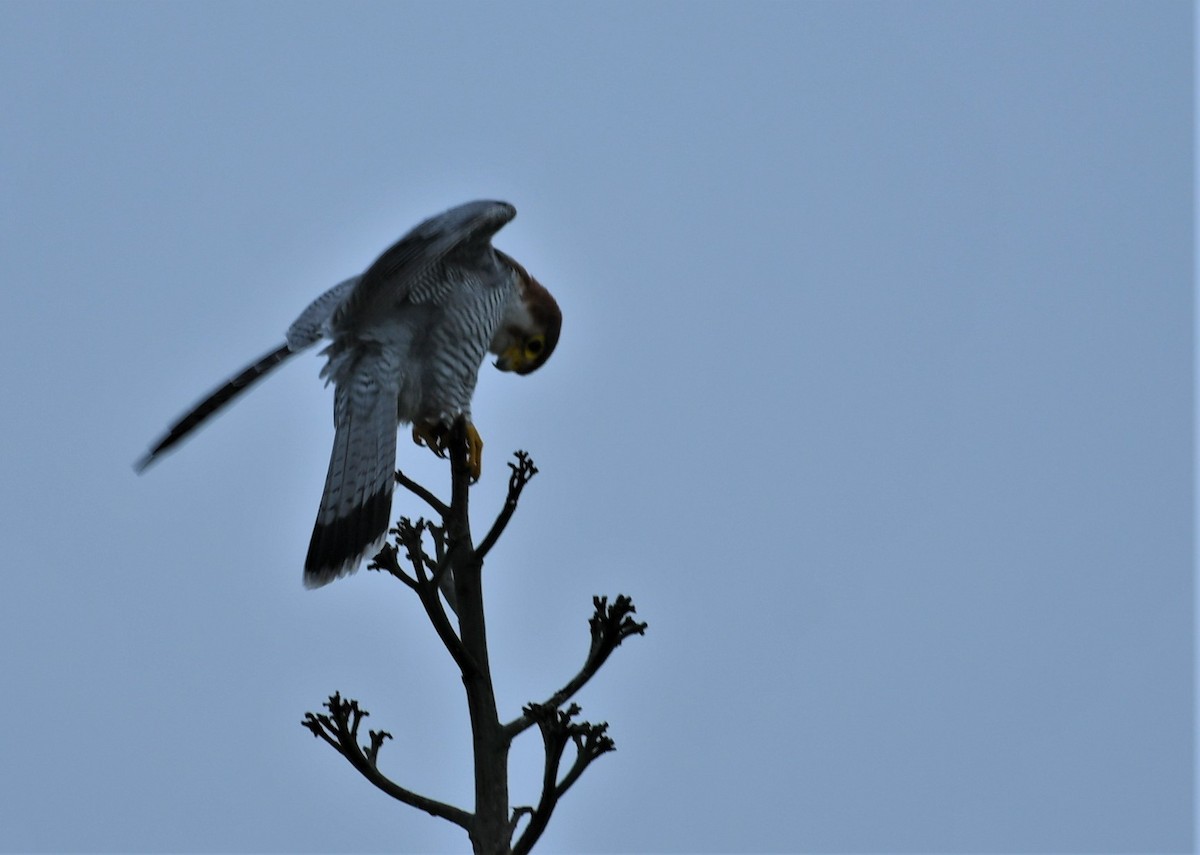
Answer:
(212, 404)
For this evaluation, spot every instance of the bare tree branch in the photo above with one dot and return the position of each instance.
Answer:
(518, 812)
(422, 492)
(427, 572)
(340, 729)
(610, 625)
(452, 576)
(522, 472)
(385, 559)
(591, 740)
(442, 575)
(558, 728)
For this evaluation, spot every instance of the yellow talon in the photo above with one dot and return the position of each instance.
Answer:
(474, 452)
(431, 437)
(434, 437)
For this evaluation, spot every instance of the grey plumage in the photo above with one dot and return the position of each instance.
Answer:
(407, 338)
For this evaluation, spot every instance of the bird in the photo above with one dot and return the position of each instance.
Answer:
(406, 340)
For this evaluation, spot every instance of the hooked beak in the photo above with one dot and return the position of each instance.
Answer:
(511, 359)
(518, 361)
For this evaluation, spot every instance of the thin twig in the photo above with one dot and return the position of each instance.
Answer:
(422, 492)
(385, 559)
(553, 725)
(518, 812)
(409, 536)
(591, 740)
(610, 625)
(340, 729)
(558, 727)
(522, 472)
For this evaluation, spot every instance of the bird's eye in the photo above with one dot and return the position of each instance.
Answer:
(534, 346)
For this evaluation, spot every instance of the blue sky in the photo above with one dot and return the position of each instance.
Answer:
(875, 392)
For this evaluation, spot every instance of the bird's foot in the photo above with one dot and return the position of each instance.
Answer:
(436, 438)
(432, 437)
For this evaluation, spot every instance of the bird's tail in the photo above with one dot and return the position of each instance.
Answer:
(214, 402)
(352, 522)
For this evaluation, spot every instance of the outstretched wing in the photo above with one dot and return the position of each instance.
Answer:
(313, 323)
(414, 269)
(366, 318)
(368, 329)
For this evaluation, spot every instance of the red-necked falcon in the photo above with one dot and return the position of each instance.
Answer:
(406, 341)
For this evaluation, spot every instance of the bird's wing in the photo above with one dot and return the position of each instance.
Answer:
(422, 267)
(312, 325)
(356, 505)
(414, 268)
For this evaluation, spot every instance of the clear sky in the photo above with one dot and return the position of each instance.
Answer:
(875, 392)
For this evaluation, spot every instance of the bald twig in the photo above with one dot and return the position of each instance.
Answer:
(427, 572)
(522, 472)
(386, 560)
(439, 507)
(339, 728)
(609, 625)
(558, 729)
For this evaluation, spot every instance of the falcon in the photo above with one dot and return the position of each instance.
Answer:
(406, 341)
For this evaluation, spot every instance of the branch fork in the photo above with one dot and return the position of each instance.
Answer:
(438, 562)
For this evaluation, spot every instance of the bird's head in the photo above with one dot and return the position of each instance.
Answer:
(528, 332)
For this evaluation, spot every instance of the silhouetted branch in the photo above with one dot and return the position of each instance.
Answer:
(610, 625)
(386, 559)
(428, 573)
(443, 576)
(558, 728)
(339, 728)
(422, 492)
(452, 575)
(518, 812)
(591, 740)
(522, 472)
